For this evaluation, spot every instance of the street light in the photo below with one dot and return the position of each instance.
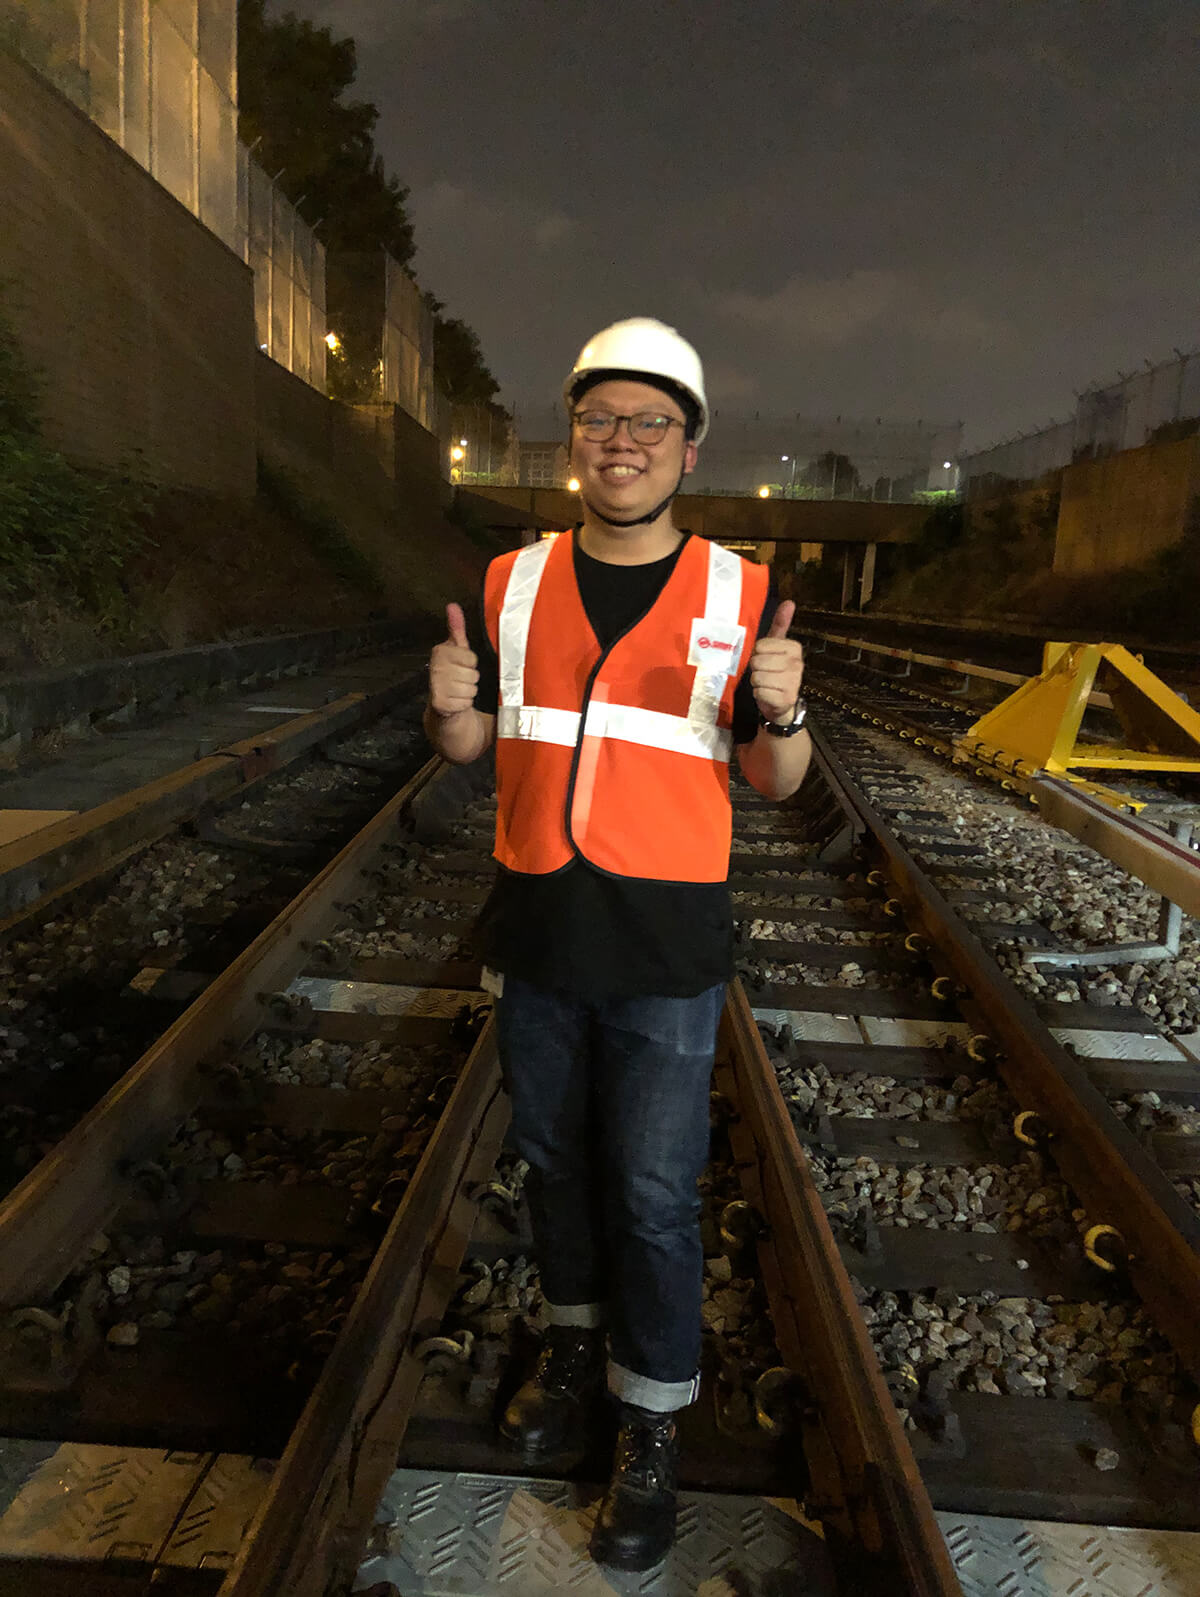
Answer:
(573, 485)
(764, 492)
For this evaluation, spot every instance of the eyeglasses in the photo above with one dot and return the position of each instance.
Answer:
(647, 427)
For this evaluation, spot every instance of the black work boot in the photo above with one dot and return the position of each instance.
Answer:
(635, 1527)
(549, 1415)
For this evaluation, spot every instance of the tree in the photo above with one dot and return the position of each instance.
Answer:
(831, 474)
(292, 79)
(459, 367)
(463, 378)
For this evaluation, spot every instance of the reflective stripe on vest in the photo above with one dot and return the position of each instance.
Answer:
(523, 583)
(618, 756)
(696, 734)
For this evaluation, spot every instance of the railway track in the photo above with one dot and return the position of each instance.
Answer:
(291, 1233)
(211, 1266)
(87, 982)
(974, 1158)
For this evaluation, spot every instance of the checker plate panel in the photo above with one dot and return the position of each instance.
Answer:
(381, 998)
(210, 1529)
(810, 1025)
(1035, 1558)
(452, 1535)
(1090, 1044)
(913, 1033)
(91, 1503)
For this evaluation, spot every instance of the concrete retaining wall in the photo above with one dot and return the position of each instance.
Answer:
(377, 471)
(139, 318)
(76, 699)
(1120, 512)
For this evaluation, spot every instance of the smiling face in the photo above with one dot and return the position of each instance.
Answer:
(620, 478)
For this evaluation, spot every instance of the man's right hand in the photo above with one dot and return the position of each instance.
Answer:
(453, 669)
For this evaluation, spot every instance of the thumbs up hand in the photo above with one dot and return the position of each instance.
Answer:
(777, 667)
(453, 669)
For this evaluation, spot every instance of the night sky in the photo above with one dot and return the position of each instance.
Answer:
(947, 209)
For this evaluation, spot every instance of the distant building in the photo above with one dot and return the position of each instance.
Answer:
(543, 465)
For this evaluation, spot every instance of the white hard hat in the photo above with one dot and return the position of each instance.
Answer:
(649, 349)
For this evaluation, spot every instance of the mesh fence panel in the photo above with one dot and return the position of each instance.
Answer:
(1116, 416)
(159, 77)
(407, 367)
(799, 457)
(288, 262)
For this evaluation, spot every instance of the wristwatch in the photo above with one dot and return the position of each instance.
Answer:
(786, 729)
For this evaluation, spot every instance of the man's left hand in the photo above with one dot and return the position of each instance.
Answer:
(777, 667)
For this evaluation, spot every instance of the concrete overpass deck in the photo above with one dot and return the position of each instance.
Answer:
(730, 519)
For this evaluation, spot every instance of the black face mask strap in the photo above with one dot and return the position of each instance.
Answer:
(640, 520)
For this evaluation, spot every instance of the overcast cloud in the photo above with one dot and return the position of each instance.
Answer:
(925, 208)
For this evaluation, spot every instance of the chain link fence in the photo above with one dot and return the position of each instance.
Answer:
(406, 369)
(479, 443)
(160, 78)
(787, 457)
(288, 262)
(1138, 408)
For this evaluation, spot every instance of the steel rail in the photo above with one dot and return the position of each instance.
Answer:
(964, 668)
(1118, 1182)
(308, 1533)
(867, 1487)
(891, 720)
(47, 1220)
(58, 858)
(1168, 866)
(968, 668)
(1165, 864)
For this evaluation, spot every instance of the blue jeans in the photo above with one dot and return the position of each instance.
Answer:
(610, 1109)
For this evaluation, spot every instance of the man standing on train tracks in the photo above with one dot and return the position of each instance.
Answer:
(617, 668)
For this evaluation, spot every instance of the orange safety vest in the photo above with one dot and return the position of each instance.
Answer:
(621, 756)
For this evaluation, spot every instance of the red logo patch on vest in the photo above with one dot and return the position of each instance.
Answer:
(715, 646)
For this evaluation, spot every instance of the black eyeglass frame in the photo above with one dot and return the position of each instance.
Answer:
(657, 415)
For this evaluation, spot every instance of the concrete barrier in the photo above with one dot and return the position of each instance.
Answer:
(75, 699)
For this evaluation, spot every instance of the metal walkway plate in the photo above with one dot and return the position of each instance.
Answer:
(1036, 1558)
(913, 1033)
(445, 1535)
(811, 1027)
(93, 1503)
(1091, 1044)
(87, 1503)
(382, 998)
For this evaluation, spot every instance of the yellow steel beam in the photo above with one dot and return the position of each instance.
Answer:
(1038, 725)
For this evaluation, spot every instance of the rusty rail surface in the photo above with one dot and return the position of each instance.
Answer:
(866, 1486)
(308, 1534)
(48, 1219)
(1168, 866)
(1118, 1182)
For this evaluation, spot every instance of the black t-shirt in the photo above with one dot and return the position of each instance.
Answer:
(580, 930)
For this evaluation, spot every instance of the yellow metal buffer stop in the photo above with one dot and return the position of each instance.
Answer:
(1037, 727)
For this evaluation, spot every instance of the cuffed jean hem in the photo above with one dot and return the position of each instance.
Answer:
(587, 1316)
(660, 1397)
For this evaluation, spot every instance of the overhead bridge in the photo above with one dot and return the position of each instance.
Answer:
(804, 527)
